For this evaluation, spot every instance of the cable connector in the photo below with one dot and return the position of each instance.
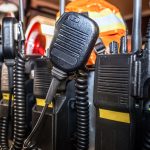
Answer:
(21, 31)
(58, 77)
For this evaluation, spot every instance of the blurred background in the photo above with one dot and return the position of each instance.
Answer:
(49, 8)
(40, 16)
(125, 7)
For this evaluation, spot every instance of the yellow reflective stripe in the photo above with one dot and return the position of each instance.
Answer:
(6, 96)
(112, 27)
(120, 17)
(102, 13)
(108, 19)
(114, 116)
(108, 22)
(41, 102)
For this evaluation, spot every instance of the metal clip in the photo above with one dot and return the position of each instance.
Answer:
(21, 32)
(16, 32)
(99, 47)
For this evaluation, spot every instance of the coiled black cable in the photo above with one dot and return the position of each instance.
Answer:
(4, 133)
(4, 127)
(4, 121)
(19, 104)
(146, 137)
(82, 107)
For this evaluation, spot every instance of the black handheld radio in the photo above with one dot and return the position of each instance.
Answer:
(120, 85)
(74, 39)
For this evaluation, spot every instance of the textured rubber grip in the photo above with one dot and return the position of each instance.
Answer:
(74, 39)
(42, 77)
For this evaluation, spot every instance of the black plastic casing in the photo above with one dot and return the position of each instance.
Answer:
(74, 39)
(58, 127)
(113, 81)
(42, 77)
(115, 90)
(143, 79)
(8, 38)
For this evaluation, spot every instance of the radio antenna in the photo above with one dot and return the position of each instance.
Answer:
(136, 28)
(21, 11)
(62, 4)
(21, 25)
